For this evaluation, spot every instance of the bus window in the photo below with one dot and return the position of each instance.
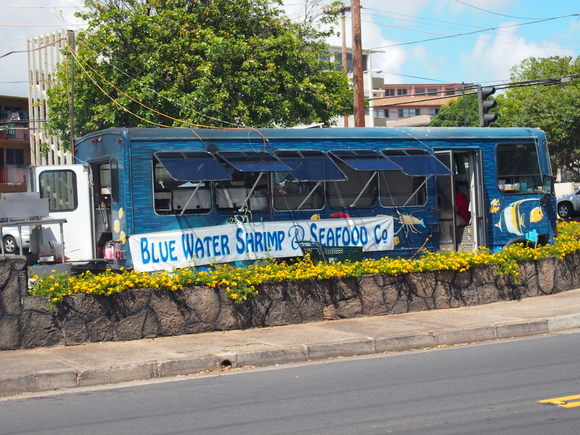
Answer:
(303, 187)
(60, 187)
(177, 196)
(343, 194)
(292, 194)
(398, 189)
(232, 195)
(102, 184)
(518, 169)
(114, 181)
(249, 185)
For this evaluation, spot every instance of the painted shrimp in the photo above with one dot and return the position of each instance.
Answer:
(410, 223)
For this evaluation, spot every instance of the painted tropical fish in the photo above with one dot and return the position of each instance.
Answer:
(494, 206)
(512, 220)
(536, 215)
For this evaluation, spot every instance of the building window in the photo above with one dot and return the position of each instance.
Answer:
(408, 113)
(433, 112)
(401, 92)
(419, 91)
(450, 92)
(389, 92)
(14, 157)
(432, 91)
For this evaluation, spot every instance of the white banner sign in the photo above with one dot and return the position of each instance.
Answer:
(167, 250)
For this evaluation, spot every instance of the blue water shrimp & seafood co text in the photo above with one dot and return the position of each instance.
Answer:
(247, 241)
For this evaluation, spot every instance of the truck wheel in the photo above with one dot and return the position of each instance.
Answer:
(10, 245)
(564, 210)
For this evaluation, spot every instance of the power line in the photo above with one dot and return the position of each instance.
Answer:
(41, 7)
(498, 30)
(86, 65)
(34, 49)
(472, 89)
(477, 31)
(432, 22)
(495, 13)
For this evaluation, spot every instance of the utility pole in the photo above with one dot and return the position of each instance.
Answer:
(71, 43)
(343, 11)
(357, 71)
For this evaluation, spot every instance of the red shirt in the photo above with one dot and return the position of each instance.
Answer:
(462, 206)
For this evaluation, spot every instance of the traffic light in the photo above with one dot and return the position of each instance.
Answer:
(485, 118)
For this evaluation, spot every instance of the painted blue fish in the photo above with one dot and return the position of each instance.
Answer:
(513, 221)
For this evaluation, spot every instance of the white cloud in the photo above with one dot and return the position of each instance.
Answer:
(18, 22)
(493, 57)
(479, 6)
(431, 63)
(390, 60)
(402, 9)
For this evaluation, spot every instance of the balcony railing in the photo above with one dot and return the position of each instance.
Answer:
(14, 174)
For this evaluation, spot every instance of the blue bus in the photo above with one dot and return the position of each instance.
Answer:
(162, 198)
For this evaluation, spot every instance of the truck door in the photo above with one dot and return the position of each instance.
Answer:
(67, 188)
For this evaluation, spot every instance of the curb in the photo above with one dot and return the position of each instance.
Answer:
(66, 379)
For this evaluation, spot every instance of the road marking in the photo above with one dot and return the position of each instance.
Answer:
(564, 402)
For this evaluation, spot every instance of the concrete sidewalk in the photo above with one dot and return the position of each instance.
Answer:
(111, 362)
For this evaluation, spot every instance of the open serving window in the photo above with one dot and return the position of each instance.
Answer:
(408, 187)
(303, 186)
(249, 185)
(362, 168)
(182, 181)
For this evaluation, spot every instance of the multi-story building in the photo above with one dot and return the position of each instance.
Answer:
(373, 86)
(416, 104)
(14, 143)
(44, 54)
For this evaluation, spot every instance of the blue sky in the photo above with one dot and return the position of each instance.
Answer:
(401, 29)
(406, 32)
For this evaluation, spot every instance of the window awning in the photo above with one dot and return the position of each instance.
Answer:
(365, 160)
(253, 161)
(192, 166)
(311, 165)
(416, 162)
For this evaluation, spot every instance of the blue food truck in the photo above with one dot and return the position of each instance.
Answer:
(163, 198)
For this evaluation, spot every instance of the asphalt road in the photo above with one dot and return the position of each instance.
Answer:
(493, 387)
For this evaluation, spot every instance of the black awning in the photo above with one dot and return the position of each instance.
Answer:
(192, 166)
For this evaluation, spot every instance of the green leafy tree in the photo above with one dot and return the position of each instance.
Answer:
(456, 114)
(453, 114)
(555, 108)
(200, 63)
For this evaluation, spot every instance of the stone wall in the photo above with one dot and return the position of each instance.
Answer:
(29, 321)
